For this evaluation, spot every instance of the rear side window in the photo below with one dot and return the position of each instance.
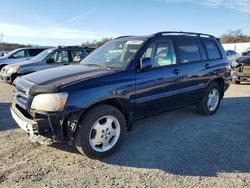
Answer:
(212, 49)
(77, 55)
(188, 50)
(34, 52)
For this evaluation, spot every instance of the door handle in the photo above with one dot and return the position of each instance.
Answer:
(207, 65)
(176, 71)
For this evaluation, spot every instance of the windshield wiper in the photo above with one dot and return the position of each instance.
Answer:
(98, 65)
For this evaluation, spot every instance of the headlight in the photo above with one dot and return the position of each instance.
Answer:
(12, 69)
(53, 102)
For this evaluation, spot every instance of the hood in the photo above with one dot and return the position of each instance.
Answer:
(19, 64)
(244, 60)
(51, 79)
(2, 59)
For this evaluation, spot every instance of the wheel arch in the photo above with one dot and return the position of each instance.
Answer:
(2, 65)
(119, 103)
(221, 83)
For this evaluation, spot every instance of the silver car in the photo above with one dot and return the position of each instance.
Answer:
(19, 55)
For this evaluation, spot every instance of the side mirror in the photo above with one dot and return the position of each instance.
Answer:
(244, 53)
(50, 60)
(146, 64)
(13, 57)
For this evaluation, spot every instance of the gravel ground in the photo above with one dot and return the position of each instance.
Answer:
(175, 149)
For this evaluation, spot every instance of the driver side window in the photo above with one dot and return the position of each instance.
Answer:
(161, 53)
(61, 57)
(20, 54)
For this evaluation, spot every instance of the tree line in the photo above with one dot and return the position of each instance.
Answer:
(4, 46)
(231, 36)
(234, 36)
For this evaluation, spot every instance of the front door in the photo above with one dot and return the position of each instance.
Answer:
(158, 88)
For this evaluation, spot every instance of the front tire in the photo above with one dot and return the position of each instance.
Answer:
(211, 100)
(100, 132)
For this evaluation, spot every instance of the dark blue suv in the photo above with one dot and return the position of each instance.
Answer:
(93, 104)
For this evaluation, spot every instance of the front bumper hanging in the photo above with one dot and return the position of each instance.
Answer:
(39, 130)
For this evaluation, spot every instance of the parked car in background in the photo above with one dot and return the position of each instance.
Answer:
(50, 58)
(3, 53)
(241, 70)
(247, 52)
(20, 54)
(91, 104)
(232, 55)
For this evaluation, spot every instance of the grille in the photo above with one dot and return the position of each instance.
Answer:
(246, 69)
(21, 98)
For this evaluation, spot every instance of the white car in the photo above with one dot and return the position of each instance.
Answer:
(21, 54)
(232, 55)
(3, 53)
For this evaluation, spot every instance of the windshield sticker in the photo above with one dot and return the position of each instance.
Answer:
(134, 42)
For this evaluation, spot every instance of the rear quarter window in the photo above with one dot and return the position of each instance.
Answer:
(34, 52)
(89, 51)
(212, 49)
(188, 50)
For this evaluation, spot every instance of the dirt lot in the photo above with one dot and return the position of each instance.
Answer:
(178, 148)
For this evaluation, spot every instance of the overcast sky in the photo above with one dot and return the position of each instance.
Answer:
(48, 22)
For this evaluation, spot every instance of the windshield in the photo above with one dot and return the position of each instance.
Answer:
(40, 57)
(114, 54)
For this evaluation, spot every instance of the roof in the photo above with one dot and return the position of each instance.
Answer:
(86, 47)
(164, 33)
(34, 47)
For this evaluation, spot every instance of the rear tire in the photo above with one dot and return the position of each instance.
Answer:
(211, 100)
(100, 132)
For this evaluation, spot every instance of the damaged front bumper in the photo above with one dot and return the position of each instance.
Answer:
(46, 129)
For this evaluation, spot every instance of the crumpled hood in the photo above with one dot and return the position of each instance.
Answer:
(244, 60)
(51, 79)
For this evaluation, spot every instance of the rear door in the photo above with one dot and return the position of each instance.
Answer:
(196, 67)
(158, 89)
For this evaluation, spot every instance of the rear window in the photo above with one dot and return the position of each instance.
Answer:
(188, 50)
(212, 49)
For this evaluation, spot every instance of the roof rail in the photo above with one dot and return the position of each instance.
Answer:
(77, 46)
(124, 36)
(182, 32)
